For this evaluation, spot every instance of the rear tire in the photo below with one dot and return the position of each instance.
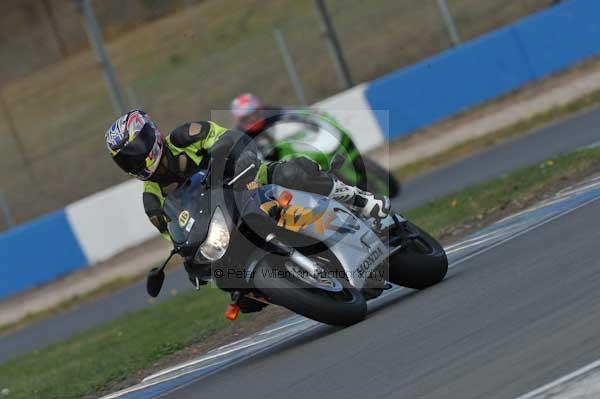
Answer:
(421, 264)
(341, 308)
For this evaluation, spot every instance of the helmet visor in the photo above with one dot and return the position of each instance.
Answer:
(140, 157)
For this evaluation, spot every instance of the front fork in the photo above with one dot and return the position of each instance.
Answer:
(400, 236)
(303, 261)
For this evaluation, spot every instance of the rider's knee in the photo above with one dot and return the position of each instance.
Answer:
(302, 174)
(287, 174)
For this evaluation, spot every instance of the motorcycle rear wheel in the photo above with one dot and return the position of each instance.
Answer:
(342, 308)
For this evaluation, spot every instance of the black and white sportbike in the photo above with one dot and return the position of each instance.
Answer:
(303, 251)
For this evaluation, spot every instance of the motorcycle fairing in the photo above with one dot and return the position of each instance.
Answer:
(359, 250)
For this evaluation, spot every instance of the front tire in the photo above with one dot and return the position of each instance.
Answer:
(342, 308)
(421, 264)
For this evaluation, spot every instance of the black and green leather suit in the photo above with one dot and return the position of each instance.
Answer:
(188, 149)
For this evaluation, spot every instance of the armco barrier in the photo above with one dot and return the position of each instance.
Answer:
(486, 67)
(110, 221)
(37, 252)
(351, 109)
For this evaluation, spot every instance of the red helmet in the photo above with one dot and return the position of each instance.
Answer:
(247, 112)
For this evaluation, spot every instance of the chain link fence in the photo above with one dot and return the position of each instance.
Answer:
(179, 60)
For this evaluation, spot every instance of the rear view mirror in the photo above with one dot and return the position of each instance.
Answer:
(156, 276)
(154, 282)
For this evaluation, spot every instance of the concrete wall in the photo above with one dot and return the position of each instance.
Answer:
(95, 228)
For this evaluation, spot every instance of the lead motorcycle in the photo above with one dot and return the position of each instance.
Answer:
(300, 250)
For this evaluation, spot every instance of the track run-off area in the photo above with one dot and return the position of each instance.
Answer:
(518, 309)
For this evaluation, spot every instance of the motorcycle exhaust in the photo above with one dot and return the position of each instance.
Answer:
(301, 260)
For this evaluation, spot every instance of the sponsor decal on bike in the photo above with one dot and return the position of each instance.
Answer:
(253, 185)
(297, 217)
(267, 206)
(371, 260)
(184, 217)
(190, 224)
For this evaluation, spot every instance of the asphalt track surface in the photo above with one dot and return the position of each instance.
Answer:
(578, 130)
(503, 323)
(581, 129)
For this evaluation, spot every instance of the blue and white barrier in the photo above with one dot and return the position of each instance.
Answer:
(37, 252)
(98, 227)
(352, 110)
(489, 66)
(110, 221)
(84, 233)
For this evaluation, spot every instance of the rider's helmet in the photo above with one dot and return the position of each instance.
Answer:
(135, 144)
(247, 112)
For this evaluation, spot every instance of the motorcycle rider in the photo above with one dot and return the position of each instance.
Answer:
(162, 163)
(251, 116)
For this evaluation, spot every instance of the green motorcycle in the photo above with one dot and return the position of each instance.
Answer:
(321, 138)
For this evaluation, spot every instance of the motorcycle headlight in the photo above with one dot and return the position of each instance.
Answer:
(217, 240)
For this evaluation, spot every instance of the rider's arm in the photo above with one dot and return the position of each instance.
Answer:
(207, 138)
(153, 200)
(197, 136)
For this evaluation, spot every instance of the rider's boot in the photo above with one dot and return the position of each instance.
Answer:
(367, 203)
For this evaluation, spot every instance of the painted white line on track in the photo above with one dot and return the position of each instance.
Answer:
(525, 231)
(230, 348)
(561, 381)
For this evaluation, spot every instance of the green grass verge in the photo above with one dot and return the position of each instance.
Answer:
(111, 352)
(478, 201)
(520, 128)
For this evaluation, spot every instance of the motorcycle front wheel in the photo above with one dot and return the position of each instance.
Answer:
(342, 308)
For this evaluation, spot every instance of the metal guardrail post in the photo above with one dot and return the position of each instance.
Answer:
(95, 38)
(8, 216)
(334, 45)
(290, 66)
(449, 21)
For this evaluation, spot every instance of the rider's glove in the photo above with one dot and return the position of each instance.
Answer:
(245, 160)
